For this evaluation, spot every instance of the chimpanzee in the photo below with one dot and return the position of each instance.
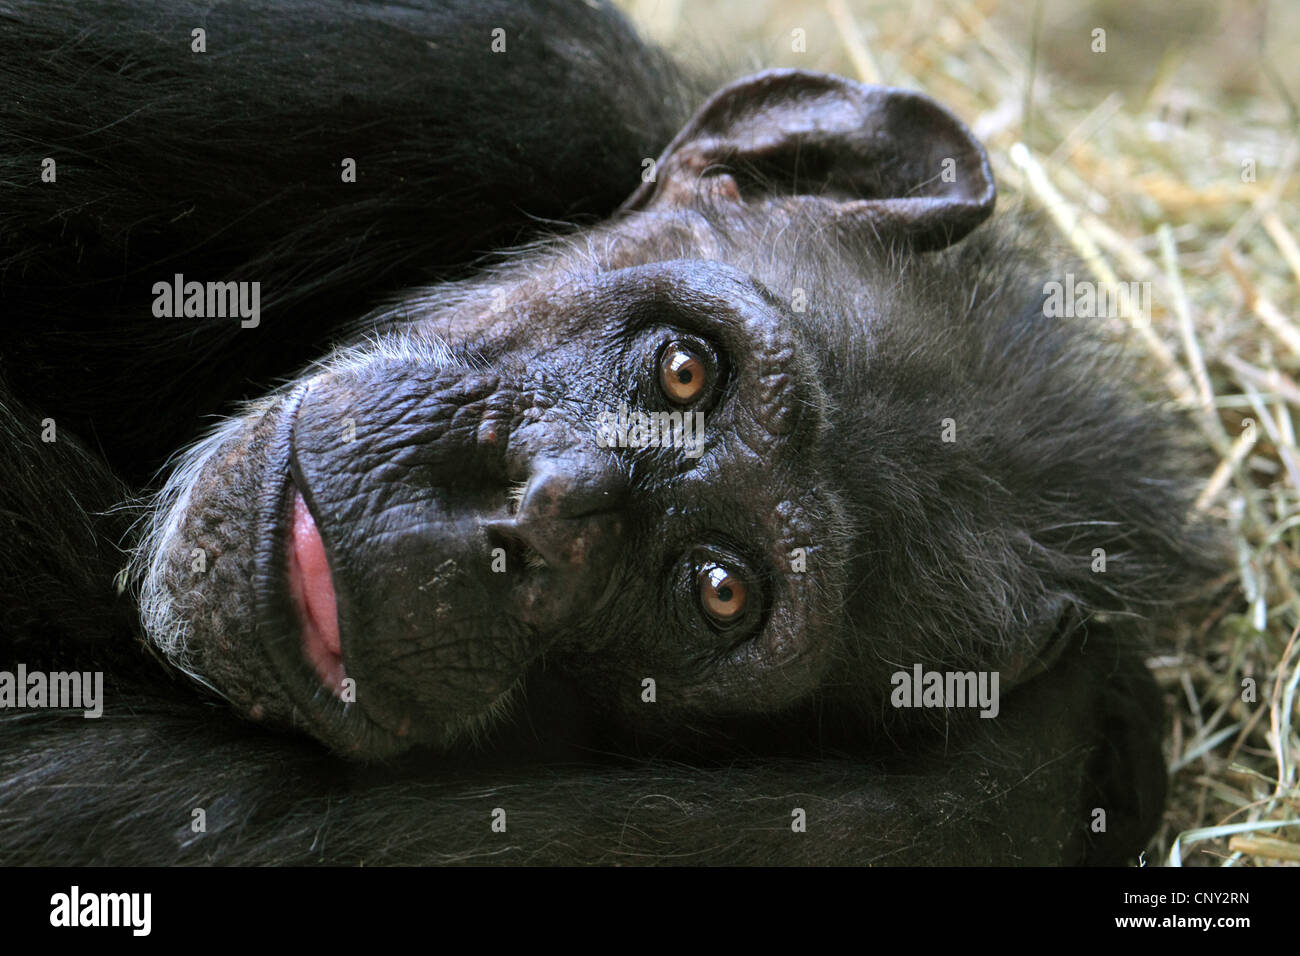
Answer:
(451, 436)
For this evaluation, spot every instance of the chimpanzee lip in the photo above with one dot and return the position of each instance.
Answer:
(311, 588)
(307, 579)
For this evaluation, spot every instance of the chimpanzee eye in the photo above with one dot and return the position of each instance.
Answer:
(683, 373)
(722, 592)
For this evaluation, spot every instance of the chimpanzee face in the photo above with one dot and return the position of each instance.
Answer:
(608, 458)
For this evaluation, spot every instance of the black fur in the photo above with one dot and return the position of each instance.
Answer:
(229, 161)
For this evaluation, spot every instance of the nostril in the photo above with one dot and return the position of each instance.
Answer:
(519, 552)
(560, 544)
(564, 518)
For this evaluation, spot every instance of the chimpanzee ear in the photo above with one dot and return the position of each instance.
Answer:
(893, 160)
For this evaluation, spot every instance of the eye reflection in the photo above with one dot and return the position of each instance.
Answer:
(722, 592)
(683, 373)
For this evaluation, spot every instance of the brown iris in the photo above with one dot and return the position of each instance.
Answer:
(722, 593)
(683, 373)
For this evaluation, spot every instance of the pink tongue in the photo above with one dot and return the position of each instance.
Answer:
(313, 594)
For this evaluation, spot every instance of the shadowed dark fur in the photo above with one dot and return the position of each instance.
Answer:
(969, 555)
(229, 161)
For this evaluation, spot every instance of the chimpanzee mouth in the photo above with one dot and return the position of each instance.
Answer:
(298, 594)
(307, 615)
(305, 628)
(364, 665)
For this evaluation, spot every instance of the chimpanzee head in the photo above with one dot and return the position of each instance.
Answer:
(700, 443)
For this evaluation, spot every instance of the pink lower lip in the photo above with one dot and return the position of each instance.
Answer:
(313, 596)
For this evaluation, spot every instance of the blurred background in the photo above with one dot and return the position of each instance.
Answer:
(1161, 140)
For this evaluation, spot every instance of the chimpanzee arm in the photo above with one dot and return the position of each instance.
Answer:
(1025, 789)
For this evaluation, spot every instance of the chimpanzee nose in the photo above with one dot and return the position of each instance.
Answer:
(570, 510)
(571, 517)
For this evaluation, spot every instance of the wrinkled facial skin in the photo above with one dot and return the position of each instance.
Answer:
(395, 541)
(419, 475)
